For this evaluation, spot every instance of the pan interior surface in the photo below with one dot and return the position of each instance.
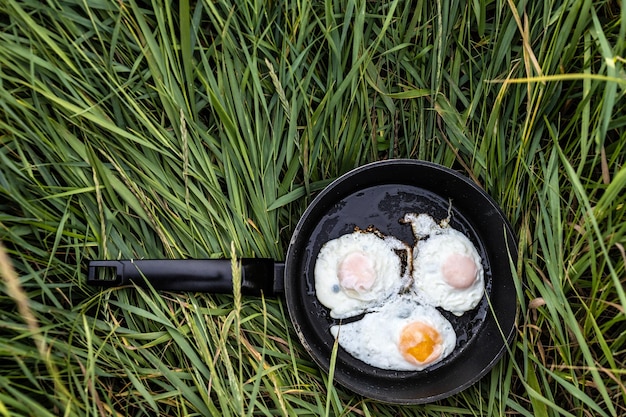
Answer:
(379, 195)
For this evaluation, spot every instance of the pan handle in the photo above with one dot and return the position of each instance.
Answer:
(258, 275)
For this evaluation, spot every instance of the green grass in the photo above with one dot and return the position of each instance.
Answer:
(153, 129)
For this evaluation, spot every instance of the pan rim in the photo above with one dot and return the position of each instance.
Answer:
(507, 334)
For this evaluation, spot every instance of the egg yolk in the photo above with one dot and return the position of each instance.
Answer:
(420, 343)
(356, 272)
(459, 271)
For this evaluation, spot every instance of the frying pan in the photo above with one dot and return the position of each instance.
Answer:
(377, 194)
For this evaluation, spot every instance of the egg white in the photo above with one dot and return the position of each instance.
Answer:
(375, 338)
(387, 265)
(435, 245)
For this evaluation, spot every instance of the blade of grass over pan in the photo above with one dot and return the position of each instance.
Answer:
(150, 129)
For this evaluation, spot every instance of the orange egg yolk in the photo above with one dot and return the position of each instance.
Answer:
(356, 272)
(459, 270)
(420, 343)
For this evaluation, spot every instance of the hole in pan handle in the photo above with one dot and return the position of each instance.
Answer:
(258, 275)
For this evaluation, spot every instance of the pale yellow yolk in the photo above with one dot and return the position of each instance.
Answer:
(420, 343)
(356, 272)
(459, 271)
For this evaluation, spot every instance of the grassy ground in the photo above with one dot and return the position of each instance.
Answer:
(169, 130)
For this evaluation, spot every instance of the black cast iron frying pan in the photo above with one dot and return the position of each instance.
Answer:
(377, 194)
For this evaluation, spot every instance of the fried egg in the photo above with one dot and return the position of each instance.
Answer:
(359, 271)
(447, 269)
(402, 335)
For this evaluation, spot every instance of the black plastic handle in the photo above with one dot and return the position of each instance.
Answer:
(258, 275)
